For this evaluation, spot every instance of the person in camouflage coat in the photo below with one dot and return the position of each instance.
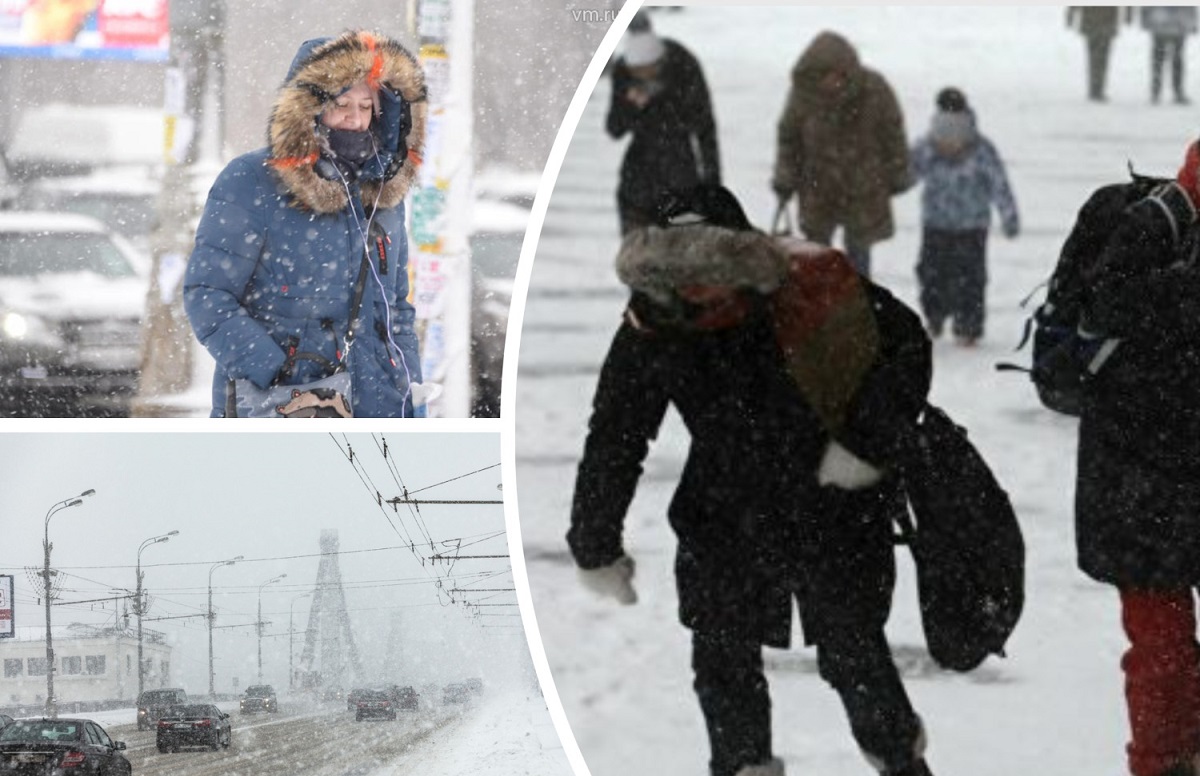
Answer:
(842, 148)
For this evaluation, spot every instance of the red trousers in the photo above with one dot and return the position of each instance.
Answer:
(1162, 679)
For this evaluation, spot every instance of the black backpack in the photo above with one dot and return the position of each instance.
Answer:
(966, 543)
(1064, 356)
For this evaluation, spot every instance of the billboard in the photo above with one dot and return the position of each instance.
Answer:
(85, 29)
(6, 607)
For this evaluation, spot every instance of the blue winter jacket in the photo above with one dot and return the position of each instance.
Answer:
(959, 191)
(283, 235)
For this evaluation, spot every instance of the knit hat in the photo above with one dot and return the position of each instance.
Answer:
(1189, 173)
(952, 100)
(641, 47)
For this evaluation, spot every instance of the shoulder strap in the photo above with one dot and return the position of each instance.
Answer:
(1176, 205)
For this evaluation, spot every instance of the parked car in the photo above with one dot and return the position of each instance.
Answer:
(127, 203)
(52, 746)
(259, 697)
(152, 704)
(71, 300)
(404, 697)
(455, 693)
(499, 219)
(374, 704)
(200, 724)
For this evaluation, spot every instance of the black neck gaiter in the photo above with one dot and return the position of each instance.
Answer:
(351, 148)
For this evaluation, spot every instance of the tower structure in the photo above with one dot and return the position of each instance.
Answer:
(329, 650)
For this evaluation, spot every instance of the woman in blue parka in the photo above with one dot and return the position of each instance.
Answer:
(280, 247)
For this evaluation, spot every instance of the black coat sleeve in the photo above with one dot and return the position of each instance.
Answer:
(894, 391)
(698, 106)
(623, 115)
(627, 410)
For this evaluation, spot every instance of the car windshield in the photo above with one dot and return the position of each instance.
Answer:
(37, 253)
(259, 691)
(191, 711)
(40, 730)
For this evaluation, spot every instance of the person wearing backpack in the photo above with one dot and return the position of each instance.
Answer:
(963, 177)
(788, 492)
(1137, 500)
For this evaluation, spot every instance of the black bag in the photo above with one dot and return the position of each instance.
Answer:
(1064, 356)
(966, 545)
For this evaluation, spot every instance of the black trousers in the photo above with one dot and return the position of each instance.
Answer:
(1098, 47)
(1164, 47)
(736, 702)
(952, 273)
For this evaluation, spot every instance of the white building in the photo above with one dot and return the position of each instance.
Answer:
(91, 664)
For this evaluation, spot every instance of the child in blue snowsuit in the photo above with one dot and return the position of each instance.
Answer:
(964, 176)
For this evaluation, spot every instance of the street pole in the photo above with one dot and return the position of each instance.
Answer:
(260, 621)
(212, 692)
(51, 703)
(291, 639)
(140, 604)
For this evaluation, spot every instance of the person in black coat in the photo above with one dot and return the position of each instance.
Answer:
(1137, 501)
(787, 492)
(660, 97)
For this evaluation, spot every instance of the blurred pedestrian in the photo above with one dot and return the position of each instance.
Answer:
(964, 177)
(1137, 497)
(799, 382)
(659, 96)
(294, 233)
(1098, 25)
(1169, 26)
(842, 149)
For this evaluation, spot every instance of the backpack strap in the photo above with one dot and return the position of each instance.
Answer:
(1176, 205)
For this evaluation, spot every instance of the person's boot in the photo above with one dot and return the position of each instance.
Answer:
(772, 767)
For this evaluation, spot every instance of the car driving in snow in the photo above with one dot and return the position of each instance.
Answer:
(374, 704)
(199, 724)
(71, 300)
(259, 697)
(152, 704)
(53, 746)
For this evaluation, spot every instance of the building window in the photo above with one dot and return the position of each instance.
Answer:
(166, 670)
(72, 666)
(128, 665)
(36, 666)
(95, 664)
(12, 667)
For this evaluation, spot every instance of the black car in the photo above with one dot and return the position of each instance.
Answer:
(374, 704)
(456, 692)
(152, 704)
(259, 697)
(404, 697)
(197, 724)
(42, 746)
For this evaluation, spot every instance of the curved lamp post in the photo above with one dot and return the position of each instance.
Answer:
(140, 607)
(212, 693)
(260, 622)
(74, 501)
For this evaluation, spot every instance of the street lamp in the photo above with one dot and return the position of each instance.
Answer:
(291, 634)
(140, 603)
(212, 692)
(260, 622)
(51, 703)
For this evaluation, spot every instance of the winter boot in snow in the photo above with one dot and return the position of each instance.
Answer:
(772, 767)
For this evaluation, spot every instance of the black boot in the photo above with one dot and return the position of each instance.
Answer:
(919, 768)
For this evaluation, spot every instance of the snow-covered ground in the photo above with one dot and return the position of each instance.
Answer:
(1055, 704)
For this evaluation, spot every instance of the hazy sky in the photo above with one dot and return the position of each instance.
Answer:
(267, 496)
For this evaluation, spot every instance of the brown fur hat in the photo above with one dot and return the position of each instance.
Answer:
(314, 81)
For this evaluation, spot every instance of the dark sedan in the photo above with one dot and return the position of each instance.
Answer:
(41, 746)
(198, 724)
(374, 704)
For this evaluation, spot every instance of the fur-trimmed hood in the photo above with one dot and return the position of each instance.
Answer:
(324, 69)
(657, 261)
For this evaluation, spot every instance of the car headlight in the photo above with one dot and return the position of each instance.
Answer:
(23, 327)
